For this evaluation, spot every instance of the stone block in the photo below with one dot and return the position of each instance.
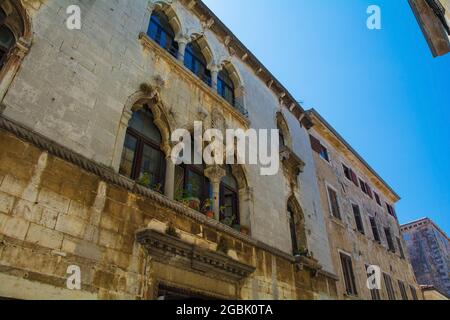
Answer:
(53, 200)
(44, 237)
(13, 227)
(6, 202)
(70, 225)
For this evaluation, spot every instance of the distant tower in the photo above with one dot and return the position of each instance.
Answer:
(429, 250)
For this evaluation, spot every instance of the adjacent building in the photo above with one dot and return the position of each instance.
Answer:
(88, 187)
(433, 17)
(429, 249)
(361, 220)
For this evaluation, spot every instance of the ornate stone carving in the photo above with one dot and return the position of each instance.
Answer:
(292, 164)
(166, 249)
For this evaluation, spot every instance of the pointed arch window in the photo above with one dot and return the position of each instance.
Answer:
(225, 87)
(195, 61)
(7, 38)
(162, 33)
(229, 199)
(142, 157)
(293, 229)
(297, 227)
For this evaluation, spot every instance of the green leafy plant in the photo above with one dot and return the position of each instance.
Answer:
(144, 179)
(302, 252)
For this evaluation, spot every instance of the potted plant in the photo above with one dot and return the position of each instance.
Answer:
(144, 180)
(185, 197)
(207, 208)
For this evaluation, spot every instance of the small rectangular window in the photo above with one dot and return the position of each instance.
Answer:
(317, 146)
(334, 203)
(391, 210)
(363, 186)
(400, 248)
(391, 246)
(358, 218)
(413, 293)
(377, 198)
(376, 235)
(389, 287)
(347, 172)
(402, 287)
(349, 276)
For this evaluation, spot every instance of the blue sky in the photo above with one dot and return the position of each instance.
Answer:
(382, 90)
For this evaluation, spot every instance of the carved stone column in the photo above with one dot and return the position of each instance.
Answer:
(214, 77)
(215, 175)
(182, 43)
(169, 189)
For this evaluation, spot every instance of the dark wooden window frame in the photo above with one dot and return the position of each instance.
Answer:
(224, 187)
(389, 287)
(358, 218)
(375, 231)
(333, 203)
(349, 275)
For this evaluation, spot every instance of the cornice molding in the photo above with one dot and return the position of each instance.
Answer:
(167, 249)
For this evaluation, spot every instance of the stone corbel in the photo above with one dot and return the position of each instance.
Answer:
(302, 262)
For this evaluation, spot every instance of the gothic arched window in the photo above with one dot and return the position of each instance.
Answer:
(142, 158)
(7, 38)
(297, 227)
(225, 87)
(229, 199)
(162, 32)
(195, 61)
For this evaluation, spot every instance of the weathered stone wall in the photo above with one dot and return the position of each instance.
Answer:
(73, 87)
(53, 214)
(429, 250)
(343, 234)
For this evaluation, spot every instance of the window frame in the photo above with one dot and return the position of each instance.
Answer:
(389, 287)
(349, 278)
(402, 287)
(375, 230)
(358, 218)
(225, 187)
(330, 203)
(200, 59)
(141, 142)
(389, 239)
(223, 84)
(163, 30)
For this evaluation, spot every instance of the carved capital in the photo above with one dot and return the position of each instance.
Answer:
(215, 173)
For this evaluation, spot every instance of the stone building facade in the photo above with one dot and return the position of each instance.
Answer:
(86, 178)
(361, 221)
(429, 249)
(433, 17)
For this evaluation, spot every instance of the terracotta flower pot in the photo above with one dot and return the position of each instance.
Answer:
(245, 230)
(210, 214)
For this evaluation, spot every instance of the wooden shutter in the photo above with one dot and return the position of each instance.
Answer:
(354, 178)
(315, 144)
(369, 191)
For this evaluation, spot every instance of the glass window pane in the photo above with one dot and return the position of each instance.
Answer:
(6, 38)
(151, 167)
(128, 156)
(142, 122)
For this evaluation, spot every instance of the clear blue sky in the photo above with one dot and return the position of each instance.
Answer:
(382, 90)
